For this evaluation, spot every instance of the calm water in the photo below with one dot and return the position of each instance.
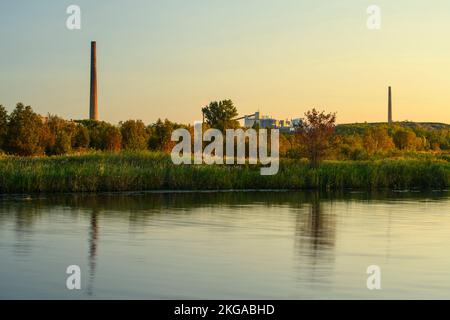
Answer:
(261, 245)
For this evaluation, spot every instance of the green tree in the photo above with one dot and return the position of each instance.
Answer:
(220, 115)
(161, 134)
(61, 135)
(112, 139)
(96, 133)
(63, 144)
(102, 135)
(315, 133)
(27, 132)
(81, 139)
(134, 135)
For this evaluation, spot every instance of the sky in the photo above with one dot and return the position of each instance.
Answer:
(168, 58)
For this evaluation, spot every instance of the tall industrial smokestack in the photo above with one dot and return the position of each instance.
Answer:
(390, 106)
(93, 109)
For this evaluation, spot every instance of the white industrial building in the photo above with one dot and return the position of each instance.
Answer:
(266, 122)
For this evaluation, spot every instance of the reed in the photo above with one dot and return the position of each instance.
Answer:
(104, 172)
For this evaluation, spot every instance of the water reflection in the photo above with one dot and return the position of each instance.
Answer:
(316, 228)
(26, 217)
(93, 239)
(309, 221)
(315, 237)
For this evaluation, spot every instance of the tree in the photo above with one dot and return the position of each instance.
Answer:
(61, 135)
(405, 139)
(63, 144)
(3, 126)
(315, 134)
(377, 140)
(81, 139)
(102, 135)
(112, 139)
(96, 133)
(350, 146)
(161, 134)
(219, 115)
(134, 135)
(27, 132)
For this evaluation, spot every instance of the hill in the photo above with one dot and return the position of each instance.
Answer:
(359, 128)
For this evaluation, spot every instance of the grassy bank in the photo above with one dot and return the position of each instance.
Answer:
(152, 171)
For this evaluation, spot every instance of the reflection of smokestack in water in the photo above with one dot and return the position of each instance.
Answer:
(93, 109)
(390, 106)
(93, 239)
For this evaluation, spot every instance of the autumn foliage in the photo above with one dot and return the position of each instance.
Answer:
(317, 137)
(315, 134)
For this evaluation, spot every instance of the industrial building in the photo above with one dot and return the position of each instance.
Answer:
(265, 122)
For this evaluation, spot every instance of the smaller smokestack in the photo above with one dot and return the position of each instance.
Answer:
(390, 106)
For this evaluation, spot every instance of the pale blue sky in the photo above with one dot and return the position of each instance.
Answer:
(167, 58)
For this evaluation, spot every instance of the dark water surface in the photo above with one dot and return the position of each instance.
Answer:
(252, 245)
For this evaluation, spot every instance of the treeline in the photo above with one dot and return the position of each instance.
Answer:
(364, 141)
(25, 133)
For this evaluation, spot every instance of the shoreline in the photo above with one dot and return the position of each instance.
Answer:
(33, 196)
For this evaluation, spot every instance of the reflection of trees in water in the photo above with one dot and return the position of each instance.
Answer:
(139, 205)
(315, 237)
(24, 213)
(93, 238)
(315, 229)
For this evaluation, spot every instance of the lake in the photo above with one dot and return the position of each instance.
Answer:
(226, 245)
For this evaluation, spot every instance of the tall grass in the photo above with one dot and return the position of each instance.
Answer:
(155, 171)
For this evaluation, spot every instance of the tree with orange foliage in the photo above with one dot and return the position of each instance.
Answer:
(377, 140)
(315, 133)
